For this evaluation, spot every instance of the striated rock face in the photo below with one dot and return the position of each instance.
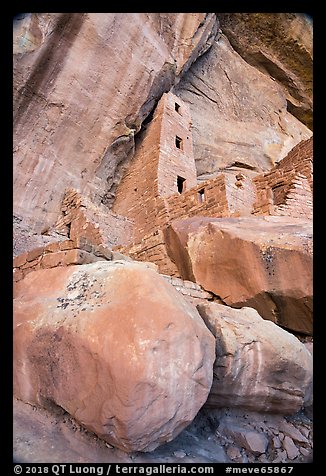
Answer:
(258, 365)
(280, 45)
(240, 117)
(83, 84)
(260, 262)
(114, 345)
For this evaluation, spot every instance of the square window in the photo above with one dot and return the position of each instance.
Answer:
(177, 107)
(181, 184)
(179, 143)
(201, 195)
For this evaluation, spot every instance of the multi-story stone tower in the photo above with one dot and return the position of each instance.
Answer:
(163, 165)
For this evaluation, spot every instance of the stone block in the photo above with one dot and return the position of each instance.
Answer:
(20, 260)
(51, 260)
(31, 264)
(32, 255)
(67, 245)
(52, 247)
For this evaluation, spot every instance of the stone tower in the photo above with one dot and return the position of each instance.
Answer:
(163, 165)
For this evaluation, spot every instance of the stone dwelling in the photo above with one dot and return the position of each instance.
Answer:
(160, 186)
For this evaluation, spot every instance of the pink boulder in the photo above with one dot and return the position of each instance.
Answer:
(116, 346)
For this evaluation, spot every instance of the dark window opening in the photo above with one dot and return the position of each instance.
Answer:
(181, 184)
(178, 143)
(279, 194)
(201, 195)
(68, 229)
(177, 107)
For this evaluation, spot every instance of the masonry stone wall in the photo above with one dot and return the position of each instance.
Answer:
(137, 192)
(152, 248)
(80, 251)
(61, 253)
(160, 186)
(176, 156)
(298, 202)
(225, 195)
(81, 218)
(192, 292)
(240, 194)
(163, 162)
(287, 189)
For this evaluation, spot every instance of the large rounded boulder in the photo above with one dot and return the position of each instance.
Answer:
(114, 345)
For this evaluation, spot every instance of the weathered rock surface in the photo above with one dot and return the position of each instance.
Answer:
(259, 262)
(116, 346)
(258, 365)
(240, 117)
(83, 84)
(280, 45)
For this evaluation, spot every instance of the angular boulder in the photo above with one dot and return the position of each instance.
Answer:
(116, 346)
(258, 366)
(251, 440)
(260, 262)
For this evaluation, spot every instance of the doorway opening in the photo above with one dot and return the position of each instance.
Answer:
(181, 184)
(179, 143)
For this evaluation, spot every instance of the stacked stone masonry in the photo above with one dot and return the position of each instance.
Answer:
(163, 165)
(152, 248)
(80, 251)
(148, 195)
(160, 186)
(62, 253)
(288, 188)
(190, 291)
(81, 218)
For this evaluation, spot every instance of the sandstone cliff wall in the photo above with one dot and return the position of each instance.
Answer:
(82, 89)
(240, 115)
(85, 83)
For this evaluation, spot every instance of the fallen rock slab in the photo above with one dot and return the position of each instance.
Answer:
(264, 262)
(114, 345)
(258, 365)
(290, 448)
(252, 441)
(293, 432)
